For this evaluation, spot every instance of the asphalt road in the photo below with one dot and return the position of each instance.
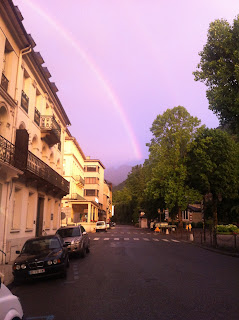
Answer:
(132, 274)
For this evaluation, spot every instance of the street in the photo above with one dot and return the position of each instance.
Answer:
(133, 274)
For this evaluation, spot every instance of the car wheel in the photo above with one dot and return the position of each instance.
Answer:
(64, 273)
(16, 282)
(83, 252)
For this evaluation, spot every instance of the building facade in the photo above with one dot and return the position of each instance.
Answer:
(76, 207)
(32, 135)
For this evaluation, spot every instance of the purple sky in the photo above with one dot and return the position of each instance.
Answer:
(118, 64)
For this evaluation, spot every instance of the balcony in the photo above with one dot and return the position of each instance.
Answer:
(24, 101)
(76, 196)
(4, 82)
(80, 181)
(7, 151)
(8, 170)
(51, 131)
(37, 117)
(46, 175)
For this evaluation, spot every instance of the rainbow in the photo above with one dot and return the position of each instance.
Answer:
(98, 74)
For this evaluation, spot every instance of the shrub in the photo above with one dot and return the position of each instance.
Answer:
(227, 228)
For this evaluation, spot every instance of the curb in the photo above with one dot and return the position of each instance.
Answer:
(226, 253)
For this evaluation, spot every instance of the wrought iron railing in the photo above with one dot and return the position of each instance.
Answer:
(50, 123)
(7, 150)
(41, 169)
(4, 81)
(24, 101)
(37, 117)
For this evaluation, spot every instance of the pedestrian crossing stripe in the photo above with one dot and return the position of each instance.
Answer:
(137, 239)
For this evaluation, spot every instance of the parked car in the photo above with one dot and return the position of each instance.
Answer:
(100, 226)
(10, 306)
(112, 224)
(76, 239)
(41, 257)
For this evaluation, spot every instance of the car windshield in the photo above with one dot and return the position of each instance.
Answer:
(101, 223)
(36, 246)
(69, 232)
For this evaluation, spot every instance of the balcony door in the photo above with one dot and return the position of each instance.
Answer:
(40, 211)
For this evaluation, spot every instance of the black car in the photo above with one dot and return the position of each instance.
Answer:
(76, 239)
(41, 257)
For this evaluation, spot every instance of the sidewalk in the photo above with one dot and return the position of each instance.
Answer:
(6, 273)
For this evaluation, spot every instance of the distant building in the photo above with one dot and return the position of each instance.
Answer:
(76, 207)
(193, 213)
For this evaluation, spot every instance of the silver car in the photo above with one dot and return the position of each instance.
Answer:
(76, 238)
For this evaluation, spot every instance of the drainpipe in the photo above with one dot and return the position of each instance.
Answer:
(22, 53)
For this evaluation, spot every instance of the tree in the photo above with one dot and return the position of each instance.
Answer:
(173, 132)
(219, 70)
(213, 167)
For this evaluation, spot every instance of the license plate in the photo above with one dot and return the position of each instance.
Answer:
(37, 271)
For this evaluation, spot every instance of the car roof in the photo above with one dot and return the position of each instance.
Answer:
(44, 237)
(70, 227)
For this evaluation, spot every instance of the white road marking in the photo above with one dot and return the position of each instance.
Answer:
(96, 239)
(116, 239)
(155, 239)
(126, 238)
(166, 240)
(175, 240)
(106, 238)
(146, 239)
(136, 238)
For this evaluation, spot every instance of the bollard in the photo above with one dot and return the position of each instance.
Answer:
(167, 231)
(191, 237)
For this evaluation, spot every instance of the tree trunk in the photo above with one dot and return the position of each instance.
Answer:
(214, 207)
(180, 220)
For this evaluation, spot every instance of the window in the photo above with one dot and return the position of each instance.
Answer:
(7, 65)
(185, 215)
(30, 210)
(90, 192)
(16, 215)
(90, 169)
(82, 229)
(91, 180)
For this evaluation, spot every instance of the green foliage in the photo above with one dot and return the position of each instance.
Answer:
(227, 228)
(213, 164)
(219, 70)
(173, 132)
